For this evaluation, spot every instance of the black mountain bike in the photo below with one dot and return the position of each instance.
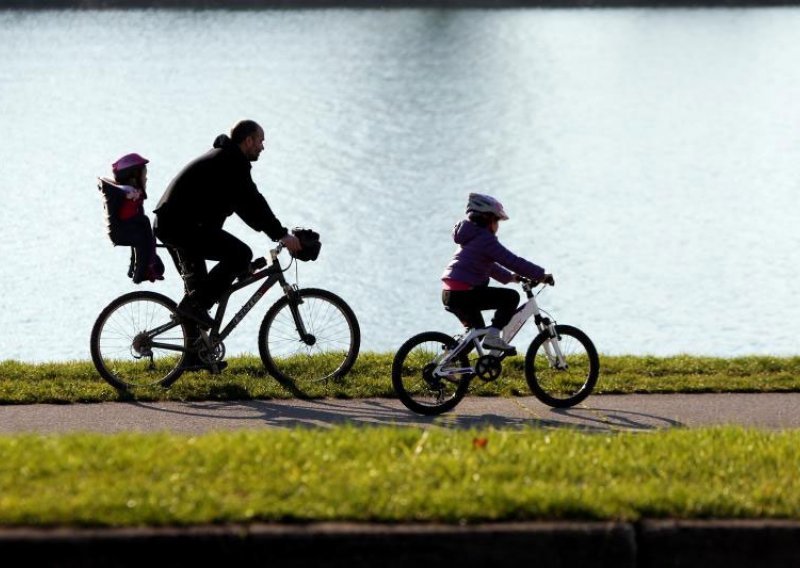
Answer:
(308, 334)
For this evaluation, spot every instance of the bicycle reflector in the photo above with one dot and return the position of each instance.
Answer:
(309, 240)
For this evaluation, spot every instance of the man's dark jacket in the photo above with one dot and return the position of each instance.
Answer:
(211, 188)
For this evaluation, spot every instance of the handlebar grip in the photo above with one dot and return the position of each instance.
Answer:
(547, 281)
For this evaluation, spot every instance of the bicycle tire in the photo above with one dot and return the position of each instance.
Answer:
(421, 394)
(333, 326)
(562, 388)
(123, 353)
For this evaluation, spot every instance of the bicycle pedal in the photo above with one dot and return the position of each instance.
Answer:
(214, 369)
(503, 352)
(218, 368)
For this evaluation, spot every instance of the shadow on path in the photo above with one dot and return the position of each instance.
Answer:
(324, 413)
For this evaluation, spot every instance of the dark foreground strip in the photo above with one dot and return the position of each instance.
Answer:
(647, 544)
(446, 4)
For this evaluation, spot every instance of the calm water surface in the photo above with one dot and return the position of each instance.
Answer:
(649, 158)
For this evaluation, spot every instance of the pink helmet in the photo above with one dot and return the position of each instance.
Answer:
(128, 161)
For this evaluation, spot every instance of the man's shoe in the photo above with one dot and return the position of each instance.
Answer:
(189, 309)
(197, 365)
(493, 341)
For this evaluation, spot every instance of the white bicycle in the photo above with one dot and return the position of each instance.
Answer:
(432, 371)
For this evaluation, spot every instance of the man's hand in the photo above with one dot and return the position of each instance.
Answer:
(291, 242)
(548, 279)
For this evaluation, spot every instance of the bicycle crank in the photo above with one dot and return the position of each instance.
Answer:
(488, 368)
(211, 352)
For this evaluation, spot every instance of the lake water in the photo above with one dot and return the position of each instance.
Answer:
(649, 158)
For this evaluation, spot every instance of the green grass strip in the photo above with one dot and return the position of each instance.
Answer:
(245, 378)
(396, 475)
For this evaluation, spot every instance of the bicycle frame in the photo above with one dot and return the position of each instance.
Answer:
(472, 338)
(273, 273)
(543, 323)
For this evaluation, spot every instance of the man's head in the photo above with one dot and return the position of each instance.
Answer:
(249, 136)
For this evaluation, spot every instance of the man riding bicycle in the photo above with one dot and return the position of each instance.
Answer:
(192, 211)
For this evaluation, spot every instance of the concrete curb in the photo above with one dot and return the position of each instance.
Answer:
(383, 4)
(732, 544)
(598, 544)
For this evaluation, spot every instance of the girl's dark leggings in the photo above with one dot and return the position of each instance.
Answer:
(466, 305)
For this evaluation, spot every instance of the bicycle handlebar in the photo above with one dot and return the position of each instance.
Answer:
(533, 283)
(261, 262)
(273, 253)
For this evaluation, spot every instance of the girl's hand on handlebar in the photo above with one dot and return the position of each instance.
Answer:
(546, 279)
(291, 242)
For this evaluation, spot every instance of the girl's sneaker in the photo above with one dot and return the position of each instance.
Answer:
(492, 340)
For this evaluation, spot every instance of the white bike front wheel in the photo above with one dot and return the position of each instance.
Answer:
(562, 371)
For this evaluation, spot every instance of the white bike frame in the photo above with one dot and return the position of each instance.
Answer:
(530, 308)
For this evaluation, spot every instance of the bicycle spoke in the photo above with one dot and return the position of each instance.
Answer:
(415, 379)
(565, 382)
(330, 347)
(122, 349)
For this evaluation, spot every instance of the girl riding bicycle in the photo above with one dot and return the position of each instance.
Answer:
(479, 257)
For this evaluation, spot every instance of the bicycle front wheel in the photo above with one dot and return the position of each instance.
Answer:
(415, 381)
(138, 341)
(329, 347)
(562, 383)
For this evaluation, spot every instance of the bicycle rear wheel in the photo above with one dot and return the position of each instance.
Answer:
(331, 344)
(562, 386)
(138, 341)
(413, 378)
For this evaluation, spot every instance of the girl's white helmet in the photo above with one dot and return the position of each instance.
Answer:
(480, 203)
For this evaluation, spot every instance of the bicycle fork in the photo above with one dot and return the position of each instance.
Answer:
(294, 306)
(552, 345)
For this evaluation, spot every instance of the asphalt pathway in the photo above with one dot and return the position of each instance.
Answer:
(606, 413)
(644, 544)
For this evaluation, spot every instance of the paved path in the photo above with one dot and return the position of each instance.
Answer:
(645, 544)
(597, 414)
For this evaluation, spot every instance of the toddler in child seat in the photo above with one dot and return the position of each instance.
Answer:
(127, 222)
(480, 257)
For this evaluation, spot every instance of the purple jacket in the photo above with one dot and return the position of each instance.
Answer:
(480, 256)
